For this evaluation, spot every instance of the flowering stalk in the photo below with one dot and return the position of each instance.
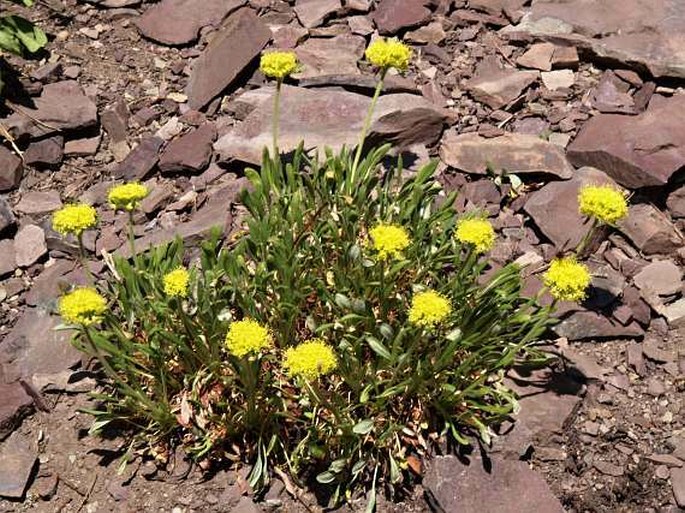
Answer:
(277, 98)
(277, 65)
(132, 237)
(82, 258)
(367, 122)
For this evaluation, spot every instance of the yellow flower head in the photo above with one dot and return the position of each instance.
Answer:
(428, 308)
(389, 240)
(310, 359)
(567, 279)
(477, 232)
(74, 219)
(127, 196)
(176, 283)
(247, 336)
(278, 64)
(602, 202)
(388, 53)
(82, 306)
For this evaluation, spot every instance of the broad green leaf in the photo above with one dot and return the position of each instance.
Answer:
(364, 427)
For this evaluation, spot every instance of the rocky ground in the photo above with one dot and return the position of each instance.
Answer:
(551, 96)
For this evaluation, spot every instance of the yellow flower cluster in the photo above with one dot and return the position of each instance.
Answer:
(476, 232)
(127, 196)
(278, 64)
(567, 279)
(247, 336)
(176, 283)
(388, 53)
(82, 306)
(310, 360)
(603, 202)
(74, 219)
(389, 240)
(429, 308)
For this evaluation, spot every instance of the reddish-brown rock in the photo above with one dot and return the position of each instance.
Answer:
(648, 33)
(636, 151)
(240, 39)
(498, 88)
(554, 208)
(392, 16)
(190, 152)
(11, 169)
(61, 106)
(313, 13)
(178, 22)
(650, 230)
(15, 405)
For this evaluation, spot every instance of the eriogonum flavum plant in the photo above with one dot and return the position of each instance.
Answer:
(355, 324)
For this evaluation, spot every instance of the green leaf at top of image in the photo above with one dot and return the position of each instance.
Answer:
(17, 33)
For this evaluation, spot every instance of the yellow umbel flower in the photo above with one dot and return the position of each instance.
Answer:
(388, 53)
(567, 279)
(476, 232)
(176, 283)
(602, 202)
(247, 336)
(428, 308)
(311, 359)
(74, 219)
(127, 196)
(278, 64)
(82, 306)
(389, 240)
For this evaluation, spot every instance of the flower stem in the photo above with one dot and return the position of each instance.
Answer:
(277, 101)
(367, 123)
(582, 245)
(132, 238)
(82, 258)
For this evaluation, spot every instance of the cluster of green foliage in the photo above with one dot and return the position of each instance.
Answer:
(304, 268)
(18, 35)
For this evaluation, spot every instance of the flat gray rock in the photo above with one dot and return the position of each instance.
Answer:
(330, 56)
(646, 33)
(329, 117)
(29, 245)
(514, 153)
(508, 486)
(34, 347)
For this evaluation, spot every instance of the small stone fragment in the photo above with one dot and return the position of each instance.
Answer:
(11, 169)
(29, 245)
(17, 457)
(38, 202)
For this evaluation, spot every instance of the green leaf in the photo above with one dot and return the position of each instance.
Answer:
(325, 477)
(17, 32)
(343, 301)
(378, 348)
(364, 427)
